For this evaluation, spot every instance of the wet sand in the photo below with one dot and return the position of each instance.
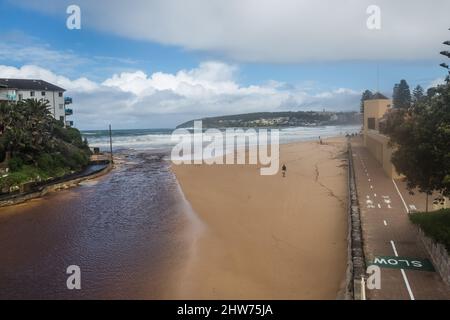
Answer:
(269, 237)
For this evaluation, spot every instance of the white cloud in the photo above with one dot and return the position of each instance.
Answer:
(35, 72)
(272, 30)
(136, 99)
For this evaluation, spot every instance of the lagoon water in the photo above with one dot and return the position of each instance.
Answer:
(127, 231)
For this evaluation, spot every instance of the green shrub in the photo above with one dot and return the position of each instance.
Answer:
(59, 161)
(436, 225)
(15, 164)
(45, 162)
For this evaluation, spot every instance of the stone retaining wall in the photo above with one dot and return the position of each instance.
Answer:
(356, 261)
(17, 199)
(438, 254)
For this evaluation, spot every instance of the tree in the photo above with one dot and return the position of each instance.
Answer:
(32, 134)
(367, 95)
(445, 65)
(421, 136)
(418, 94)
(401, 95)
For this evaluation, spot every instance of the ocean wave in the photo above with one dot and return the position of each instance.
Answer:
(162, 138)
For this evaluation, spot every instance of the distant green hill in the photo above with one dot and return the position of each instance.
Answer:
(278, 119)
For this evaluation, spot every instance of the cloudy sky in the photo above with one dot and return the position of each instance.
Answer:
(150, 64)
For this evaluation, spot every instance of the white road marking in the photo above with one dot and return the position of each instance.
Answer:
(379, 206)
(405, 279)
(385, 223)
(394, 248)
(411, 296)
(401, 197)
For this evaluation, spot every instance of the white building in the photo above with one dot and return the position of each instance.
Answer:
(21, 89)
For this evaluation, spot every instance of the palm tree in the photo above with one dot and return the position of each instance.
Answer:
(28, 126)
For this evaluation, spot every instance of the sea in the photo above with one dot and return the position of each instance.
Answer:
(161, 139)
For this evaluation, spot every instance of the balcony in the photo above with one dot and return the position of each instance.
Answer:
(8, 95)
(69, 123)
(69, 112)
(67, 100)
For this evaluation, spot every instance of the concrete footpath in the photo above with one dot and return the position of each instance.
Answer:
(390, 239)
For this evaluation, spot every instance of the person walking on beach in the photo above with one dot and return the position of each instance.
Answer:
(283, 170)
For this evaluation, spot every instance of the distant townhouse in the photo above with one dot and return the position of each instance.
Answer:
(21, 89)
(376, 142)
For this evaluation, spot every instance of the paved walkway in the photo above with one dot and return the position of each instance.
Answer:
(387, 231)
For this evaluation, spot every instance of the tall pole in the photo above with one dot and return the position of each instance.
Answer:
(378, 77)
(110, 144)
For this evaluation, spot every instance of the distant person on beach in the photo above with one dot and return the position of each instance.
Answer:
(320, 140)
(283, 170)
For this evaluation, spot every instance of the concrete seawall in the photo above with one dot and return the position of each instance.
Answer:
(356, 268)
(20, 198)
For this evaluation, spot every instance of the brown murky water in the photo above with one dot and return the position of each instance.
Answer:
(125, 231)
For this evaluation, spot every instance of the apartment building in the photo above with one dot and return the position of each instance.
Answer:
(21, 89)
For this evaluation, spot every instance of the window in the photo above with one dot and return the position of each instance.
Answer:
(371, 123)
(61, 106)
(43, 93)
(60, 94)
(61, 118)
(20, 97)
(31, 93)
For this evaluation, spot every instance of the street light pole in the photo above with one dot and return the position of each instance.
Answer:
(110, 144)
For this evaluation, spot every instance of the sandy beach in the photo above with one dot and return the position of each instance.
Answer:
(269, 237)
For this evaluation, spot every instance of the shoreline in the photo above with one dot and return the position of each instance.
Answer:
(245, 251)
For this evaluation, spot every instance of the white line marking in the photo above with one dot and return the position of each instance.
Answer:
(385, 223)
(394, 248)
(411, 296)
(401, 197)
(405, 279)
(379, 206)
